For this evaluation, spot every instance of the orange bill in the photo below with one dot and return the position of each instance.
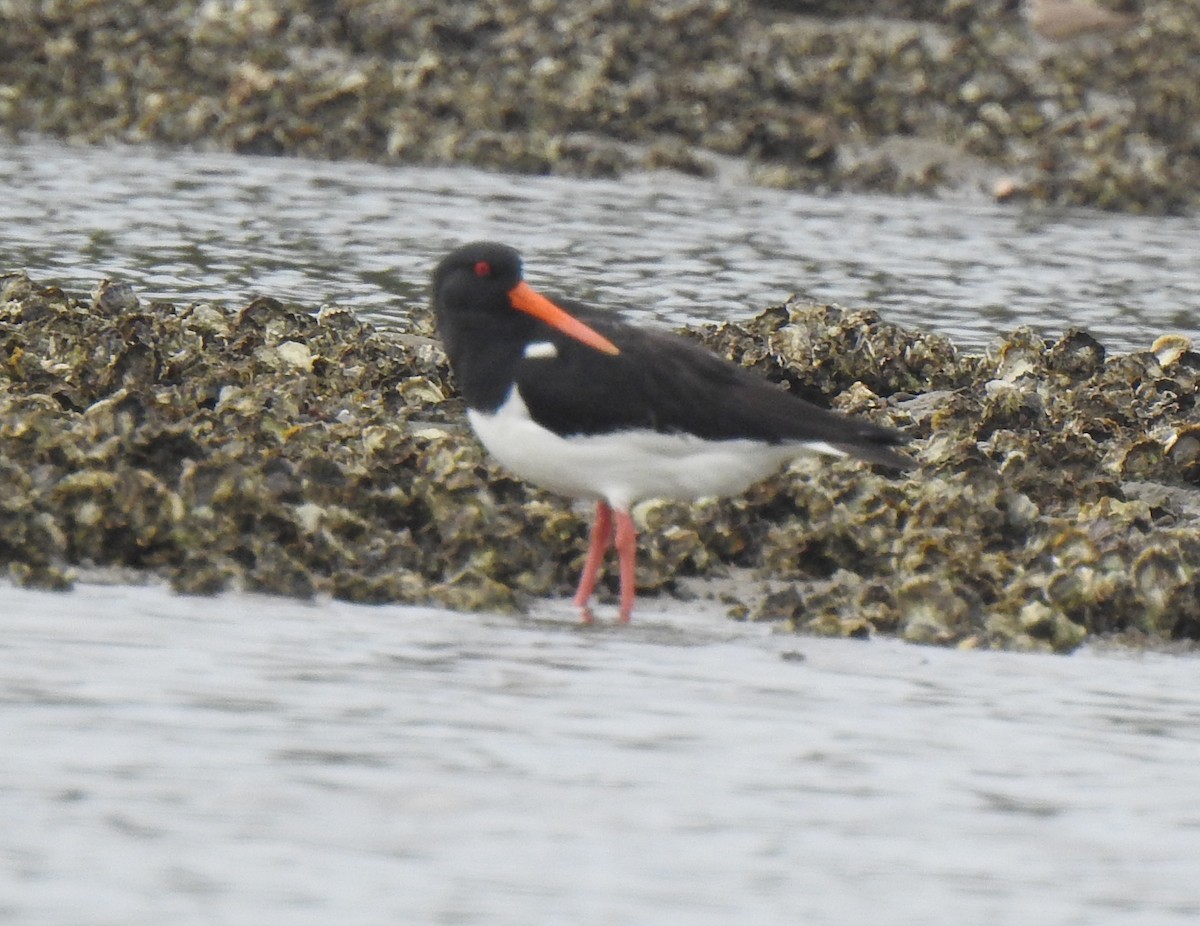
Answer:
(531, 302)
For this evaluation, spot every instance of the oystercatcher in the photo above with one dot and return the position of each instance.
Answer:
(589, 406)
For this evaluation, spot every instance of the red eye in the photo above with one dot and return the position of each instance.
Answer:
(483, 269)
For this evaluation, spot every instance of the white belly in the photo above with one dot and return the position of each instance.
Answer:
(628, 466)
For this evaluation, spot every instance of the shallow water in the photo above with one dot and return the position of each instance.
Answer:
(248, 760)
(216, 226)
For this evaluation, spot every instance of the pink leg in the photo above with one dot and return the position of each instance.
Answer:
(602, 535)
(627, 557)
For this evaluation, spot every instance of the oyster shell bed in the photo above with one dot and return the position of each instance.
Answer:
(943, 93)
(274, 449)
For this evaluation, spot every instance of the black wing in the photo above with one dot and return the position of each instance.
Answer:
(664, 383)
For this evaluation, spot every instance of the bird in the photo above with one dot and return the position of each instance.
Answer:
(574, 399)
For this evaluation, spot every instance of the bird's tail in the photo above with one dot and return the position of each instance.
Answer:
(877, 447)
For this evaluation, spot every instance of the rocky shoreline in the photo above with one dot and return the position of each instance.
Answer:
(940, 95)
(274, 448)
(278, 449)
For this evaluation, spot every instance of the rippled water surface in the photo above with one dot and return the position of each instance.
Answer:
(250, 761)
(218, 226)
(182, 760)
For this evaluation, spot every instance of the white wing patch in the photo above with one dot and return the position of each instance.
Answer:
(540, 350)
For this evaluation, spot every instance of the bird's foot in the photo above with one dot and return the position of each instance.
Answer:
(587, 617)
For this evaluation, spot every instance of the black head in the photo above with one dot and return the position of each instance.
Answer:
(482, 303)
(476, 277)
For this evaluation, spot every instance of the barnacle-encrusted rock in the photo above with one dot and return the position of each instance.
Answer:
(1056, 492)
(939, 93)
(1019, 529)
(825, 349)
